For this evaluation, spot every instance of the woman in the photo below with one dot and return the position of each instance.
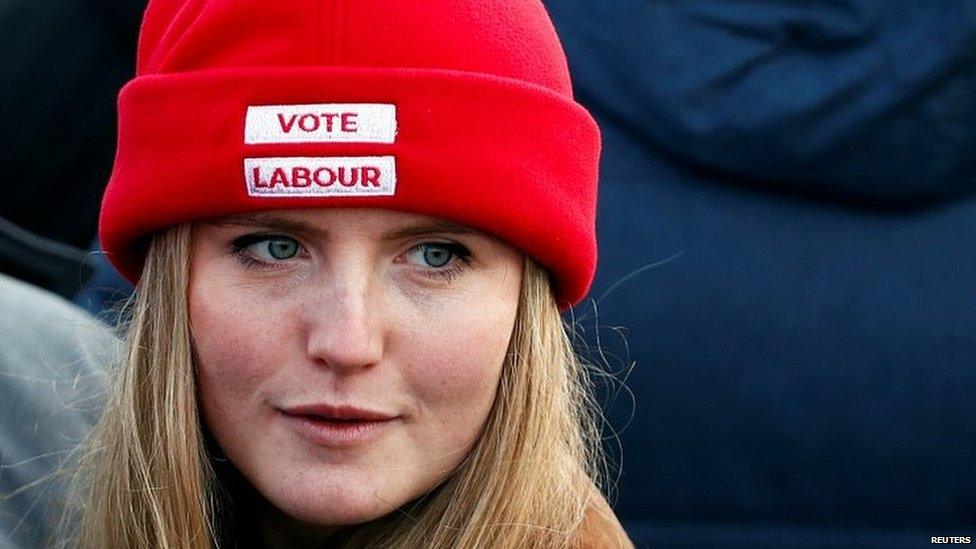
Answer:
(353, 225)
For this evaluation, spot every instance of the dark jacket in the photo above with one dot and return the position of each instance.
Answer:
(805, 362)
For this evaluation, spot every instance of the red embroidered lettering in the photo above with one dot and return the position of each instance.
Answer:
(353, 176)
(258, 182)
(349, 122)
(309, 122)
(301, 177)
(371, 176)
(286, 126)
(321, 176)
(278, 178)
(318, 180)
(329, 117)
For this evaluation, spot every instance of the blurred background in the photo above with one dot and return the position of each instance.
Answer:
(787, 225)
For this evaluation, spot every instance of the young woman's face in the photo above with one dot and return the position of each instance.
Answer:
(347, 359)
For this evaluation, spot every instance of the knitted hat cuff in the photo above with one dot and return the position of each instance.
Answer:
(505, 156)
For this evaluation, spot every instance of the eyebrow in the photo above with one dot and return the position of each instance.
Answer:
(266, 220)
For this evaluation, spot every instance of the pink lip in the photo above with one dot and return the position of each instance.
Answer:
(337, 426)
(348, 413)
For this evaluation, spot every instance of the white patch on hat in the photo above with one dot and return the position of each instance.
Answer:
(321, 123)
(320, 176)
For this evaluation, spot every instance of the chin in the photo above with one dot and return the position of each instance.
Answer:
(344, 507)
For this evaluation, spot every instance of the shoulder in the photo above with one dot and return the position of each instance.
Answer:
(600, 528)
(40, 330)
(53, 359)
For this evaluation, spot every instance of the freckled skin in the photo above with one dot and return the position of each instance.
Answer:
(351, 321)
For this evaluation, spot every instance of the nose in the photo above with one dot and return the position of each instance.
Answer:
(344, 323)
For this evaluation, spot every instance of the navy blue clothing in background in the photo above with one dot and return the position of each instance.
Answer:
(62, 65)
(806, 365)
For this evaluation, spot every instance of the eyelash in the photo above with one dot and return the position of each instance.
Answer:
(240, 244)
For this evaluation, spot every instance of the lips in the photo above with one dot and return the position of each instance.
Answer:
(326, 412)
(337, 426)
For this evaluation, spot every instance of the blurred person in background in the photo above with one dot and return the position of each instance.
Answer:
(53, 359)
(62, 65)
(806, 360)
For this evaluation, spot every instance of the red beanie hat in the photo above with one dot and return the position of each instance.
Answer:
(460, 109)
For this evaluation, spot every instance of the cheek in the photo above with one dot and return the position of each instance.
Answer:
(233, 355)
(454, 365)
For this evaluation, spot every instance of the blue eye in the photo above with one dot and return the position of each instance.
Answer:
(437, 254)
(280, 248)
(266, 248)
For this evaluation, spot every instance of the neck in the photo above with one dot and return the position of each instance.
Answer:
(278, 530)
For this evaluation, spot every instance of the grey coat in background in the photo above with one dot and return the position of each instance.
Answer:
(53, 358)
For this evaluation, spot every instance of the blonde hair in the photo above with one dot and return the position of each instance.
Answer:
(147, 479)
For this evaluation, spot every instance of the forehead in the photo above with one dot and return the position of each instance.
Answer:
(360, 222)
